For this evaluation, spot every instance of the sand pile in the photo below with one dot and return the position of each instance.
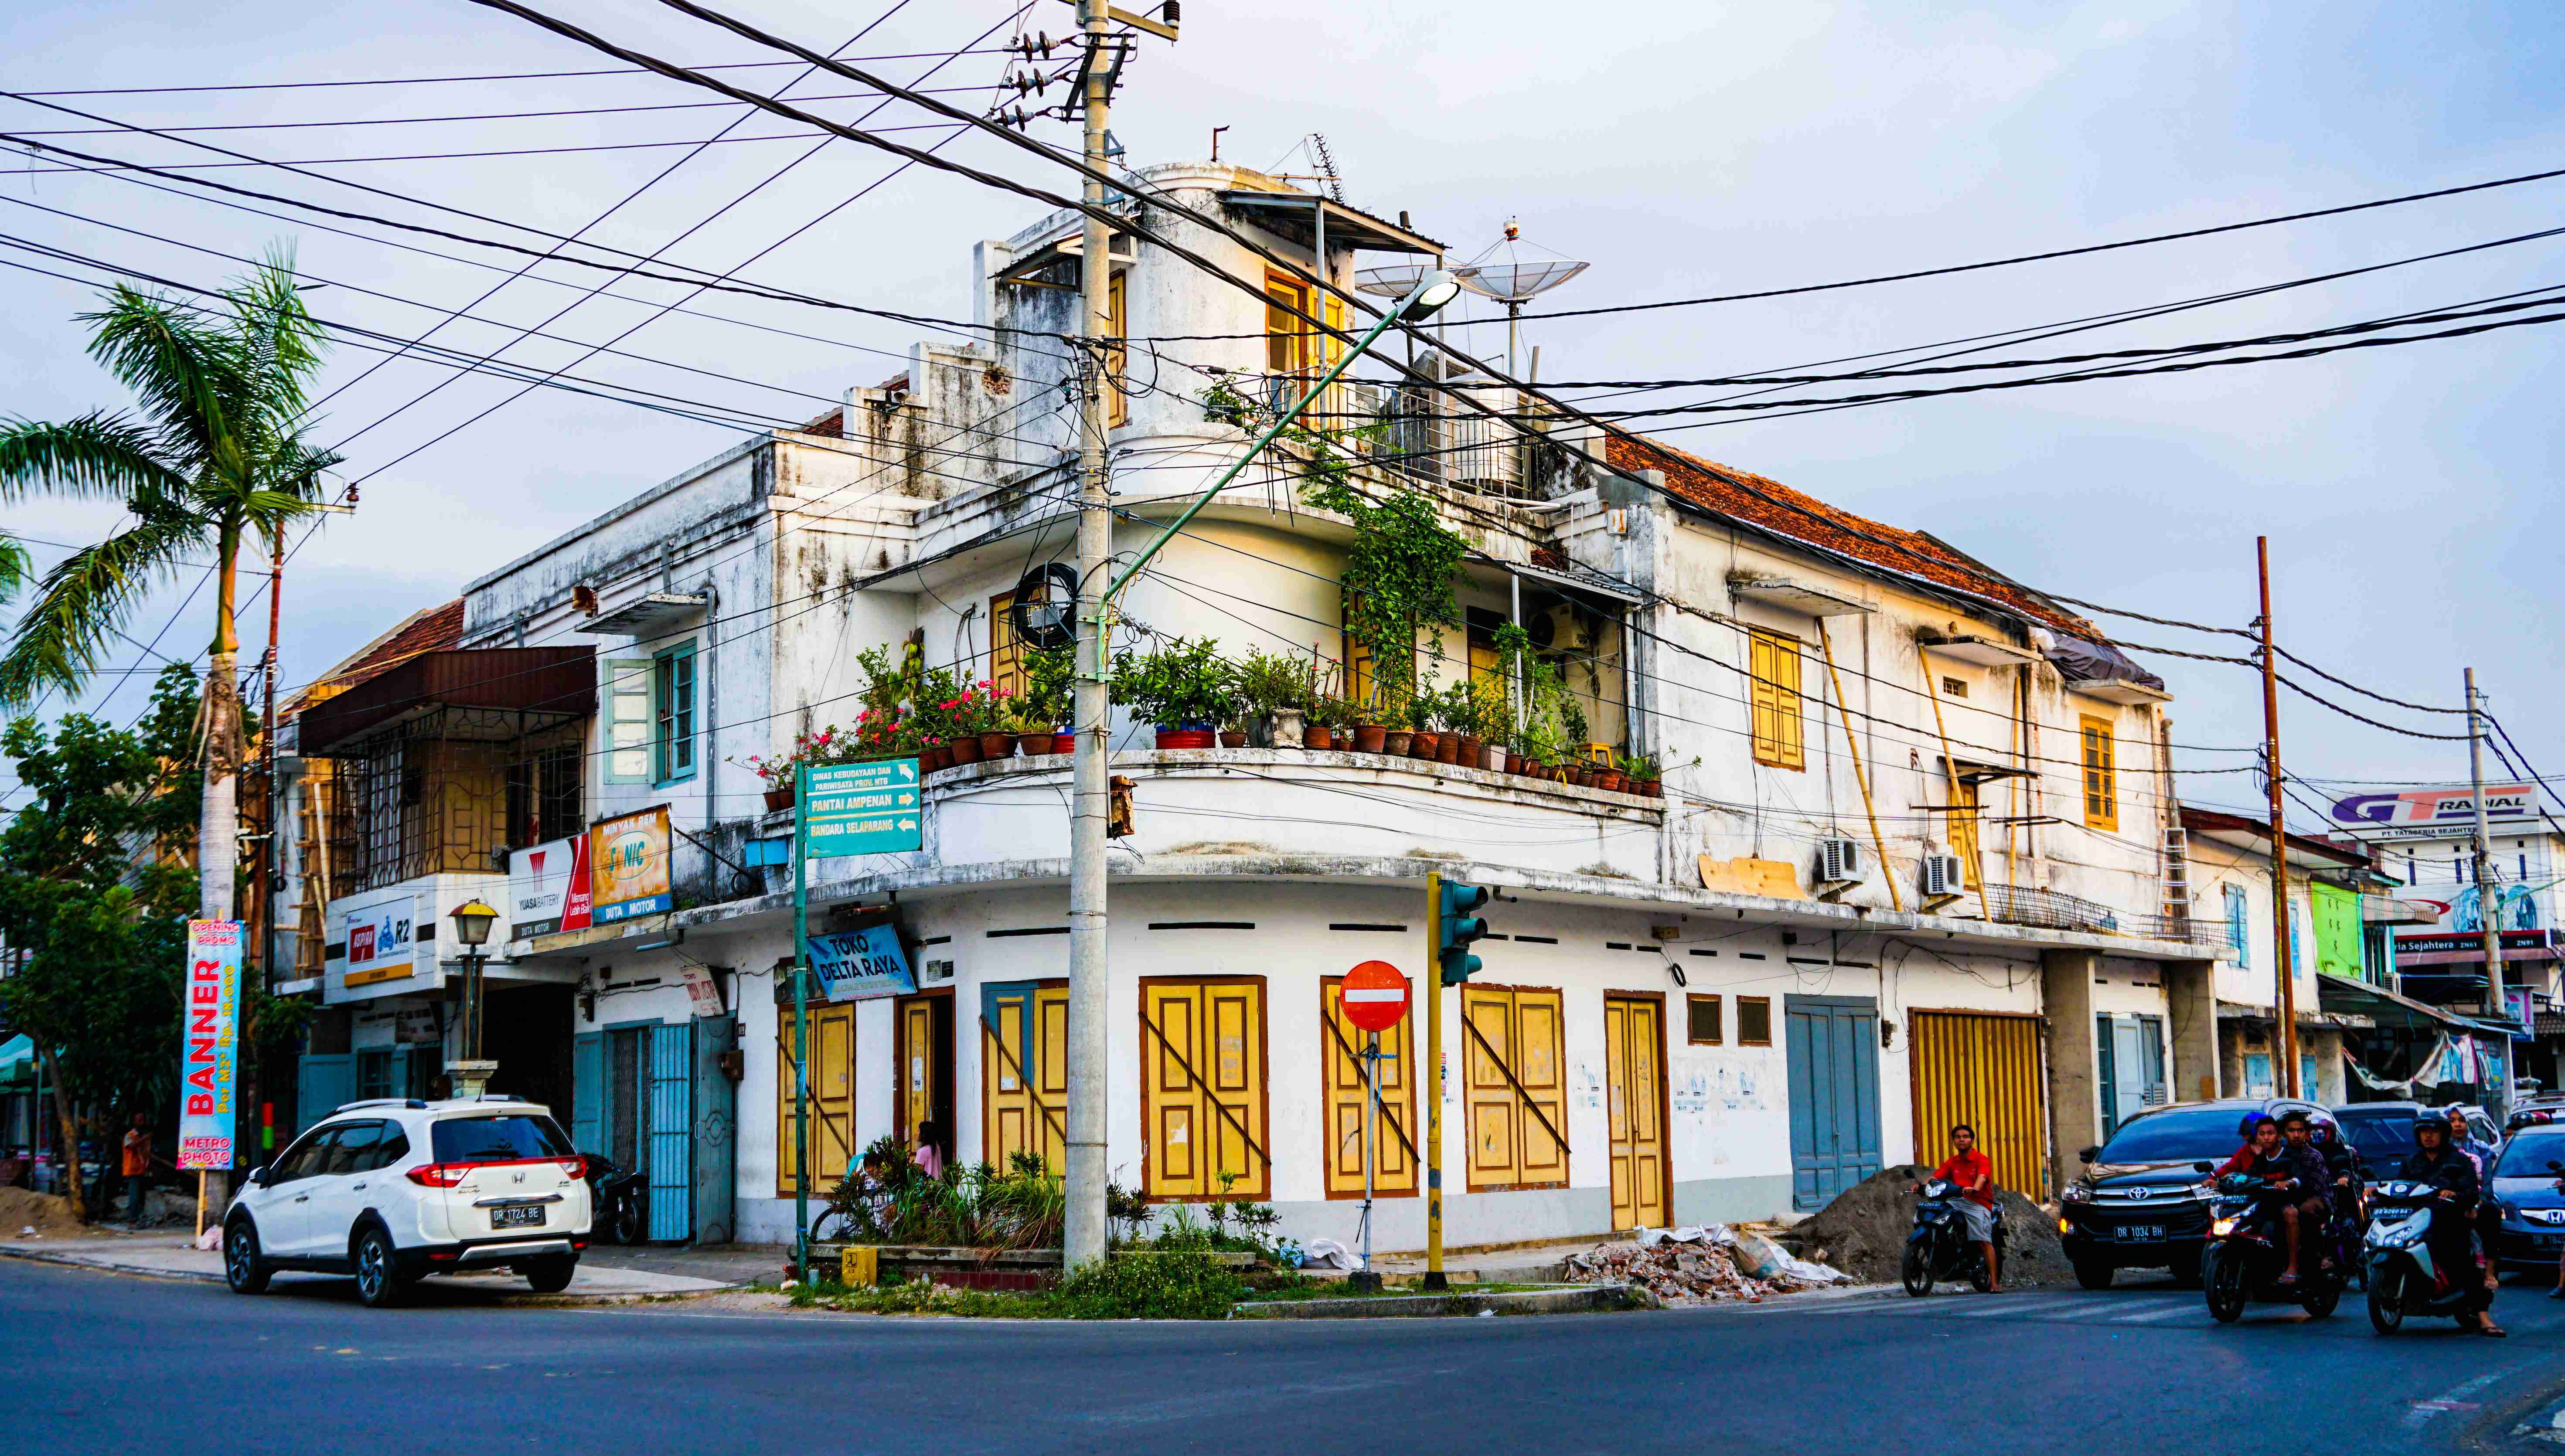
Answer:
(1863, 1232)
(49, 1214)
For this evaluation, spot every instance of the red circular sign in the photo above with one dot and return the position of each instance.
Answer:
(1375, 996)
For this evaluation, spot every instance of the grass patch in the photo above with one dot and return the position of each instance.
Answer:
(1183, 1285)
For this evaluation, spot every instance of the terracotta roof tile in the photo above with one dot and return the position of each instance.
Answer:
(430, 630)
(1802, 517)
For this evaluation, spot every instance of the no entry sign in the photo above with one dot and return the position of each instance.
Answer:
(1375, 996)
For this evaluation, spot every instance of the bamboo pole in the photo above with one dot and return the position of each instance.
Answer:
(1852, 744)
(1951, 771)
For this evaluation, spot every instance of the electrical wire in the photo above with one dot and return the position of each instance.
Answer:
(503, 76)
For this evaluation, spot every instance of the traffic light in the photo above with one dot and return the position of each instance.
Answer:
(1455, 928)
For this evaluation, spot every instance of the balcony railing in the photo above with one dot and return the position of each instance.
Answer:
(2048, 909)
(1424, 433)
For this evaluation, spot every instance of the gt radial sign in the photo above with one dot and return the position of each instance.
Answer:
(210, 1022)
(2426, 812)
(628, 861)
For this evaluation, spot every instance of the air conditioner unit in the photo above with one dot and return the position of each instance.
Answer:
(1944, 879)
(1839, 863)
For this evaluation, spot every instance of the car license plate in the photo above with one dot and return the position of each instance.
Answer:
(2141, 1232)
(530, 1216)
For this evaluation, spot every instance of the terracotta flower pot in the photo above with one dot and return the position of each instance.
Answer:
(938, 756)
(993, 746)
(778, 799)
(1608, 780)
(1370, 738)
(1230, 738)
(1447, 747)
(1394, 741)
(1315, 736)
(964, 750)
(1470, 750)
(1649, 787)
(1185, 738)
(1421, 744)
(1063, 743)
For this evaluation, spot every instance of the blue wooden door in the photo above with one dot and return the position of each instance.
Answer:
(670, 1081)
(1833, 1050)
(587, 1093)
(321, 1085)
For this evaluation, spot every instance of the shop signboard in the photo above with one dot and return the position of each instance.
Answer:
(868, 808)
(702, 991)
(627, 860)
(548, 889)
(209, 1020)
(861, 964)
(2433, 813)
(383, 941)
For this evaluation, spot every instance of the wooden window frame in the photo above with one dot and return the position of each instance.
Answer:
(622, 678)
(1117, 325)
(1777, 711)
(673, 719)
(2101, 754)
(1007, 668)
(1743, 1002)
(1717, 1017)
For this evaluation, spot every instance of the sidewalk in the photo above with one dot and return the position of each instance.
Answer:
(604, 1275)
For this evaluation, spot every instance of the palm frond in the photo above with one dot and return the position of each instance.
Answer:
(16, 565)
(186, 368)
(83, 601)
(98, 455)
(283, 341)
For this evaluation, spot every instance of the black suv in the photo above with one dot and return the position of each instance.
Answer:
(2142, 1201)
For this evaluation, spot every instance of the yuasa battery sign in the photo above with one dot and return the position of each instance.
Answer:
(549, 890)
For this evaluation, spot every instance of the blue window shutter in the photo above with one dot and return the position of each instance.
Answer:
(624, 693)
(673, 694)
(672, 1130)
(2238, 934)
(587, 1091)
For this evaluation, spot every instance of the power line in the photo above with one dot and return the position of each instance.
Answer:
(502, 76)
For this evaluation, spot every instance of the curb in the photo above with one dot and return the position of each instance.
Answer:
(1582, 1299)
(524, 1299)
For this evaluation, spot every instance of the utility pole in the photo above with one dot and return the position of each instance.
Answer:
(1084, 1233)
(1432, 1077)
(2280, 957)
(2488, 902)
(270, 863)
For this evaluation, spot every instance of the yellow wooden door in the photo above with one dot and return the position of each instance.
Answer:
(1513, 1077)
(832, 1097)
(1394, 1152)
(1024, 1072)
(1633, 1030)
(1203, 1088)
(918, 1054)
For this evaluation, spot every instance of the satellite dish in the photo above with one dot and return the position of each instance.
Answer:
(1513, 272)
(1393, 281)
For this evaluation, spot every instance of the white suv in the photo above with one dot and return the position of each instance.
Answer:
(393, 1190)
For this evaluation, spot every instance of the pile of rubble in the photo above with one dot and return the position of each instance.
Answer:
(1699, 1266)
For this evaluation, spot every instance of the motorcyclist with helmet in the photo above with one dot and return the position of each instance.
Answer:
(2453, 1174)
(2345, 1174)
(2293, 1171)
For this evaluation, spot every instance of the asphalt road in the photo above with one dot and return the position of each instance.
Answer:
(101, 1363)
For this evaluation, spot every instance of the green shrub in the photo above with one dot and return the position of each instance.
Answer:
(1176, 1285)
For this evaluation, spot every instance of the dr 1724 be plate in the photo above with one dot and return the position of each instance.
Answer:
(529, 1216)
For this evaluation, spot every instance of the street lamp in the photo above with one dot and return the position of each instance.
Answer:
(468, 1072)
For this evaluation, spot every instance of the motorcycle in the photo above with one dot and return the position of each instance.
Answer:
(2247, 1252)
(2402, 1278)
(615, 1201)
(1940, 1248)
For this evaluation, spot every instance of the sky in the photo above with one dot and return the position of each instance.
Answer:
(1682, 149)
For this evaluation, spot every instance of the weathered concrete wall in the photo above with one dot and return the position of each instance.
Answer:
(2074, 1071)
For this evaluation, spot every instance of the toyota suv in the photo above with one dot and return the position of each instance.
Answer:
(2142, 1201)
(393, 1190)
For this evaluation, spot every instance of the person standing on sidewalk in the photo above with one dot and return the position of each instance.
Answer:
(138, 1166)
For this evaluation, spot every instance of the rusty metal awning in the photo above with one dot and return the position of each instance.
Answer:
(538, 687)
(1290, 214)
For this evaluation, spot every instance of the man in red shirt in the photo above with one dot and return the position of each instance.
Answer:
(1974, 1174)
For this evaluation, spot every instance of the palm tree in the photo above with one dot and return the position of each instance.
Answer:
(210, 458)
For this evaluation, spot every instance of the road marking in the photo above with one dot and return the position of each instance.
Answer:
(2150, 1316)
(2453, 1399)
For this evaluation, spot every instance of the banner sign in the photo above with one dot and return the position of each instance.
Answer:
(628, 861)
(209, 1020)
(2431, 812)
(859, 965)
(702, 990)
(862, 808)
(548, 889)
(382, 942)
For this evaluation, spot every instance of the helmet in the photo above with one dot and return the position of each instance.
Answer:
(2323, 1133)
(2429, 1123)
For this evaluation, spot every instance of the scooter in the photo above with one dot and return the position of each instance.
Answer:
(1940, 1248)
(614, 1198)
(2247, 1253)
(2402, 1278)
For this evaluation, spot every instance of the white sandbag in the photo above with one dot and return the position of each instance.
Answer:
(1327, 1254)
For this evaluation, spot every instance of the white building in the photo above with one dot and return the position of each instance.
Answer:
(1679, 1020)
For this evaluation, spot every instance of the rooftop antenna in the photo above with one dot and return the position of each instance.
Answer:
(1327, 174)
(1514, 272)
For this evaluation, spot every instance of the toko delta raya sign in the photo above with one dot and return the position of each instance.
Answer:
(869, 808)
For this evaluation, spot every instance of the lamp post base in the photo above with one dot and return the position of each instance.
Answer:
(469, 1078)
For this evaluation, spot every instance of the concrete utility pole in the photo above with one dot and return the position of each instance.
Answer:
(1083, 1237)
(2488, 902)
(2281, 956)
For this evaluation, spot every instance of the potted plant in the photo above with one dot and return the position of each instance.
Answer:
(1371, 727)
(1046, 707)
(1395, 735)
(1492, 715)
(1182, 687)
(776, 775)
(1329, 716)
(1419, 714)
(1279, 689)
(1607, 774)
(1646, 779)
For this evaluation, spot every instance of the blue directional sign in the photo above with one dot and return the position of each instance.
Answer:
(868, 808)
(859, 965)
